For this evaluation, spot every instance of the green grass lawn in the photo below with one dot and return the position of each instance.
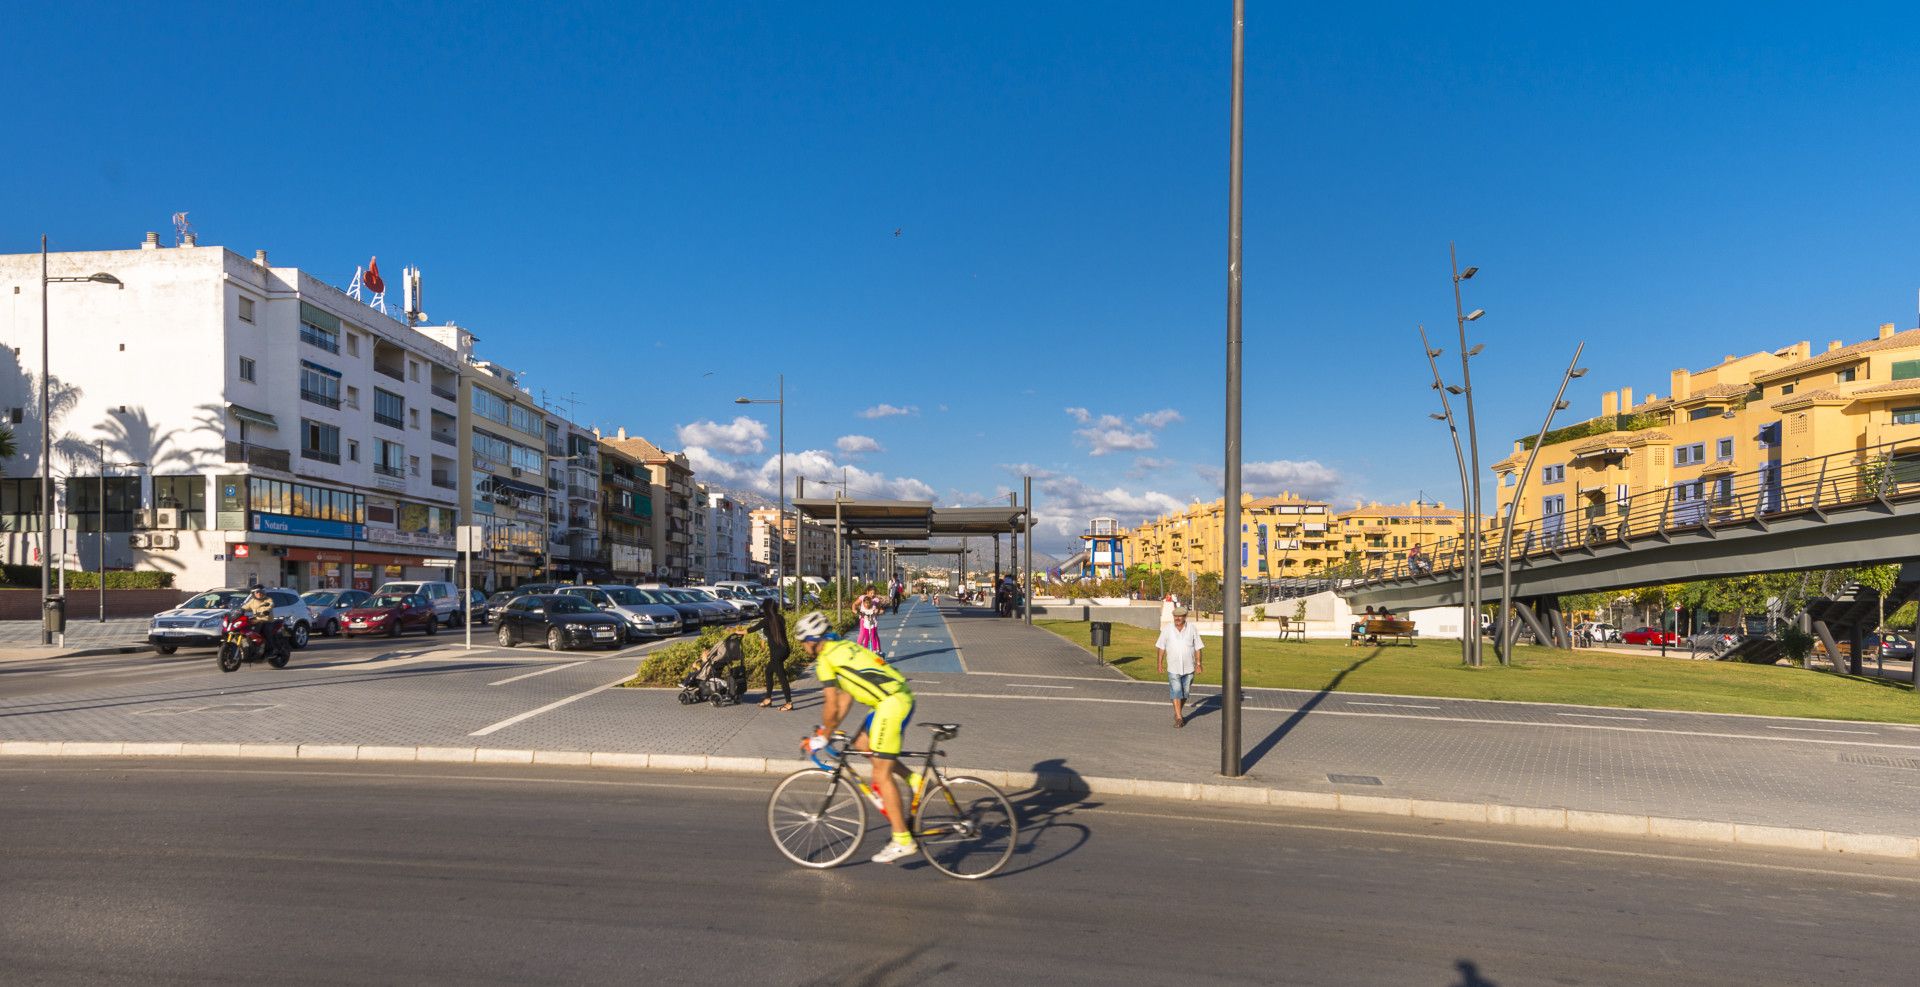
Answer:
(1593, 678)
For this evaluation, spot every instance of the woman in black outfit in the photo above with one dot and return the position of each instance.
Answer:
(773, 627)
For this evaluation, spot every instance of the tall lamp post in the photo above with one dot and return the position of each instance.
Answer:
(1460, 318)
(1230, 762)
(1504, 642)
(46, 435)
(780, 562)
(101, 545)
(1469, 633)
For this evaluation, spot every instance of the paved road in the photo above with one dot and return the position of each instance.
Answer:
(201, 872)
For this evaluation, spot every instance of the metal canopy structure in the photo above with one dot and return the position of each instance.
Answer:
(910, 520)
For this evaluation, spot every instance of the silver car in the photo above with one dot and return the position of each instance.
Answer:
(196, 623)
(643, 618)
(326, 606)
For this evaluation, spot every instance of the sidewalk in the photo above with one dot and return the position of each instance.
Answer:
(21, 638)
(1033, 705)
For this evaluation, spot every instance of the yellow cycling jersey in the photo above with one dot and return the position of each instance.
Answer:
(860, 673)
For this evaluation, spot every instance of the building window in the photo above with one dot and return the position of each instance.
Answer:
(1690, 455)
(1553, 474)
(83, 503)
(246, 309)
(20, 505)
(1848, 375)
(389, 409)
(353, 450)
(319, 335)
(246, 369)
(1906, 416)
(1906, 369)
(1786, 389)
(353, 345)
(413, 465)
(186, 494)
(1699, 413)
(389, 458)
(353, 397)
(320, 441)
(319, 384)
(413, 370)
(413, 418)
(489, 405)
(1723, 450)
(306, 500)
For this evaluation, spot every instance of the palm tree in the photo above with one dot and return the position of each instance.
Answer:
(7, 450)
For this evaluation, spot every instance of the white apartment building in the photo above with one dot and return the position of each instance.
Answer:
(729, 528)
(283, 432)
(573, 476)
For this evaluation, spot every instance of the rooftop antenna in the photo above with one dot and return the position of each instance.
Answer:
(410, 290)
(182, 230)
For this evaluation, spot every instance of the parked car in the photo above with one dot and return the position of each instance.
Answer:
(1599, 632)
(1715, 640)
(498, 602)
(196, 623)
(693, 616)
(561, 621)
(643, 619)
(1896, 647)
(391, 614)
(723, 611)
(1650, 635)
(326, 606)
(444, 596)
(477, 612)
(744, 607)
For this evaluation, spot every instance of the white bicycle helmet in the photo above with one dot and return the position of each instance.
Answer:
(812, 627)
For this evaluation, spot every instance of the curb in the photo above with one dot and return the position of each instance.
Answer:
(1531, 817)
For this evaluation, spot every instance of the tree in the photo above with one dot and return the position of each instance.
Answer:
(7, 450)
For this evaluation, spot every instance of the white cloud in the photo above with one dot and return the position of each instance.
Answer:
(1307, 478)
(741, 436)
(1063, 504)
(889, 410)
(1160, 419)
(762, 476)
(857, 445)
(1111, 435)
(1080, 415)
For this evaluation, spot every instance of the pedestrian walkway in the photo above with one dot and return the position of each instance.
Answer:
(916, 640)
(1028, 706)
(21, 638)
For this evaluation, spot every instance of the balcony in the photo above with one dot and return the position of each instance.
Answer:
(445, 393)
(446, 437)
(391, 421)
(265, 457)
(385, 470)
(315, 336)
(328, 400)
(443, 480)
(557, 450)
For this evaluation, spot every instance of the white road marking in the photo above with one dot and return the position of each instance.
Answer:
(1863, 733)
(1711, 735)
(1359, 702)
(1603, 716)
(545, 671)
(1035, 685)
(548, 708)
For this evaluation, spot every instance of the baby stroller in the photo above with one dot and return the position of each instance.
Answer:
(719, 677)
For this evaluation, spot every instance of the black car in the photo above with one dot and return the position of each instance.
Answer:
(561, 621)
(498, 602)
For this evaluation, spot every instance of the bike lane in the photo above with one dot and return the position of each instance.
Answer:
(917, 640)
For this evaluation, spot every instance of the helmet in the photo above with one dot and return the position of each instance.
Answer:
(812, 627)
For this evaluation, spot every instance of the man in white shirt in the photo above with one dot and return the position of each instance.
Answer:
(1179, 649)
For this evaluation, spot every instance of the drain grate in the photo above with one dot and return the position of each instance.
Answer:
(1353, 779)
(1882, 761)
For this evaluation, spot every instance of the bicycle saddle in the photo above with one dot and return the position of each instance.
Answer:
(943, 731)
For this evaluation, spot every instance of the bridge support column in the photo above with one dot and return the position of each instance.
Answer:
(1825, 634)
(1856, 643)
(1562, 638)
(1527, 615)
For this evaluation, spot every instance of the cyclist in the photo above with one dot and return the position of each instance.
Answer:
(852, 673)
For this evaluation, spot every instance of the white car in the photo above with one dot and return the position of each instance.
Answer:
(643, 618)
(196, 623)
(745, 607)
(444, 596)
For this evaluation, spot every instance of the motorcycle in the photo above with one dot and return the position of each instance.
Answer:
(245, 638)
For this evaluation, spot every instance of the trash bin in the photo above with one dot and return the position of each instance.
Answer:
(1102, 633)
(55, 615)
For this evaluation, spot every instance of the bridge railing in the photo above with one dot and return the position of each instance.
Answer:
(1716, 499)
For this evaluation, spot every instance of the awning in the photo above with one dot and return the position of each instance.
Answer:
(1605, 453)
(502, 483)
(910, 520)
(259, 418)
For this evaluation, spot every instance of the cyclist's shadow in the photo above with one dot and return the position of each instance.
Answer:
(1047, 829)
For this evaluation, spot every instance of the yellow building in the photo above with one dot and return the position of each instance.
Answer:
(1376, 534)
(1282, 536)
(1763, 411)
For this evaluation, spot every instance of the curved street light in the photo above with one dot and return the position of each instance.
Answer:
(1468, 653)
(1504, 628)
(1461, 318)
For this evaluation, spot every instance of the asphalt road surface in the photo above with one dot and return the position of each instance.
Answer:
(210, 872)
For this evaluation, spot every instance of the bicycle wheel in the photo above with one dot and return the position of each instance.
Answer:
(816, 818)
(966, 828)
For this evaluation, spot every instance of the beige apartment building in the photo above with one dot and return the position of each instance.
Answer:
(1741, 427)
(1376, 534)
(1285, 535)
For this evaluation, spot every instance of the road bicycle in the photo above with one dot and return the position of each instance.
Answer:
(964, 826)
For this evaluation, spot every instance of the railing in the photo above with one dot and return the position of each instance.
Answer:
(393, 372)
(320, 456)
(390, 421)
(442, 392)
(265, 457)
(1877, 474)
(444, 482)
(446, 437)
(328, 400)
(385, 470)
(319, 337)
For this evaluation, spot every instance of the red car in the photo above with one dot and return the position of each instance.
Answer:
(390, 614)
(1651, 635)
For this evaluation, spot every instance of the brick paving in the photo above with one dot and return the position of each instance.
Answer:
(1029, 705)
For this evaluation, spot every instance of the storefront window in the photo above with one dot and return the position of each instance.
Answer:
(187, 494)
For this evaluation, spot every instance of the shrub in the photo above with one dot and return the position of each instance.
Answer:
(1259, 613)
(29, 576)
(667, 666)
(1796, 643)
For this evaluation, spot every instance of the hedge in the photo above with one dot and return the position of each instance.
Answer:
(29, 576)
(666, 667)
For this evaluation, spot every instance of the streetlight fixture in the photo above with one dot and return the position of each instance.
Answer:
(1504, 627)
(46, 438)
(1461, 318)
(1469, 631)
(780, 545)
(1230, 760)
(101, 545)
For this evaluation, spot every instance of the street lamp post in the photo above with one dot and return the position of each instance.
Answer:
(780, 563)
(1504, 642)
(1230, 761)
(1468, 632)
(1461, 317)
(46, 434)
(101, 545)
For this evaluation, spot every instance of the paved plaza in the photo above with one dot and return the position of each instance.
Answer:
(1030, 702)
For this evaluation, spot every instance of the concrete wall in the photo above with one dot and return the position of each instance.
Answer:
(24, 604)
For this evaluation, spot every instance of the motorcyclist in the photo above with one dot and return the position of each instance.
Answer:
(260, 607)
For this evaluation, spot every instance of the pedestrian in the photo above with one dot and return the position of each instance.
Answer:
(773, 627)
(1179, 660)
(899, 592)
(868, 608)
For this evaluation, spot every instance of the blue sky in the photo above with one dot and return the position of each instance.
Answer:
(657, 207)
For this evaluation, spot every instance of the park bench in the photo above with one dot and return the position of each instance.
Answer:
(1372, 629)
